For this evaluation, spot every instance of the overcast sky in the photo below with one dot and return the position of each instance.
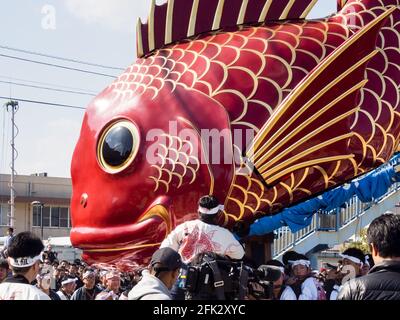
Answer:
(98, 31)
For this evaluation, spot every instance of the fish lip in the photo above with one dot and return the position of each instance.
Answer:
(154, 215)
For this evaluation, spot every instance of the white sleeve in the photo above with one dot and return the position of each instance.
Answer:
(335, 293)
(38, 295)
(234, 250)
(174, 239)
(288, 294)
(309, 290)
(44, 297)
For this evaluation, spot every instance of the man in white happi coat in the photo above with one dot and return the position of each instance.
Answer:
(24, 256)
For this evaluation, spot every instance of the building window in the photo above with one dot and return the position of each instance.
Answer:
(55, 217)
(3, 215)
(36, 216)
(46, 216)
(64, 217)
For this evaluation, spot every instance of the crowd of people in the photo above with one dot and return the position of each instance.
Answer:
(30, 273)
(57, 280)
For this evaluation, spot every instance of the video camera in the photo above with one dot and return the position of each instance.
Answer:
(211, 276)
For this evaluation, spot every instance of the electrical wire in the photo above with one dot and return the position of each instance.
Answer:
(47, 88)
(57, 66)
(44, 103)
(47, 84)
(60, 58)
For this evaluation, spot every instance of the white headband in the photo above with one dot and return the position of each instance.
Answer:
(211, 211)
(70, 280)
(302, 262)
(354, 259)
(87, 274)
(24, 261)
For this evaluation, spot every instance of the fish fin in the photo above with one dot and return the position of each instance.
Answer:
(341, 4)
(177, 20)
(209, 122)
(312, 125)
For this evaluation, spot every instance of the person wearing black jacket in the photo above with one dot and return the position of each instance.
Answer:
(51, 255)
(383, 280)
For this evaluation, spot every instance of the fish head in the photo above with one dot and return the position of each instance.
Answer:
(134, 175)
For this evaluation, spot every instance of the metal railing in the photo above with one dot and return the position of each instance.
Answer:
(331, 221)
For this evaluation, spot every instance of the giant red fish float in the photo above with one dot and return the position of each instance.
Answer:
(243, 99)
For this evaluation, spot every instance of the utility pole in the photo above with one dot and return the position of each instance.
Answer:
(13, 106)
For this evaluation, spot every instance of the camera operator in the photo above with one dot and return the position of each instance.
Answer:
(156, 282)
(214, 277)
(278, 285)
(333, 280)
(350, 268)
(302, 285)
(202, 235)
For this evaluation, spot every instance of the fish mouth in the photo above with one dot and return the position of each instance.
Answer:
(148, 232)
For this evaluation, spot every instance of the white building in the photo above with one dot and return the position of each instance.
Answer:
(53, 193)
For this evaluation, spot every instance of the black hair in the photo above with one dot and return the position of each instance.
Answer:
(384, 233)
(241, 228)
(11, 229)
(355, 252)
(289, 256)
(4, 264)
(25, 244)
(209, 218)
(300, 256)
(275, 263)
(209, 202)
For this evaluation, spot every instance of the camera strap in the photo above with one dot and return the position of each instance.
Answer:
(218, 282)
(243, 283)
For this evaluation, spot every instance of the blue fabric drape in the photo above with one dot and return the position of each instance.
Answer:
(368, 187)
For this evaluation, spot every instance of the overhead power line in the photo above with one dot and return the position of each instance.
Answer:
(60, 58)
(57, 66)
(43, 103)
(47, 88)
(46, 84)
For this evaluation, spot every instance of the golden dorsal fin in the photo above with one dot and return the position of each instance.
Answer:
(341, 4)
(176, 20)
(312, 125)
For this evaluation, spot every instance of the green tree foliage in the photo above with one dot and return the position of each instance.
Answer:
(361, 243)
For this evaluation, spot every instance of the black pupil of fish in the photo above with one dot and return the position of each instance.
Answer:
(117, 147)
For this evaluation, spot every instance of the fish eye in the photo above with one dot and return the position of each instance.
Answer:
(118, 146)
